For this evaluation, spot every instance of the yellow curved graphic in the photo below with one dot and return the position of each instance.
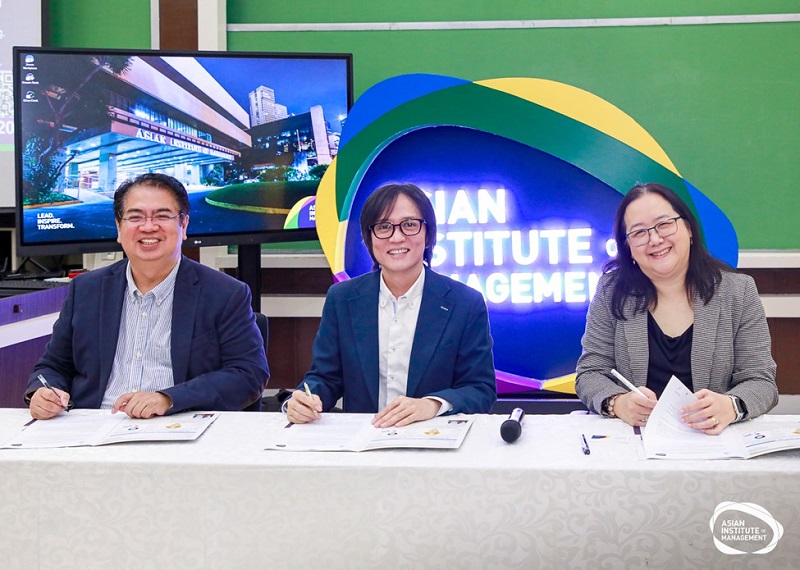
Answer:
(586, 108)
(563, 384)
(327, 217)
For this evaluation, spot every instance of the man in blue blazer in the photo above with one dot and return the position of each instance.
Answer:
(403, 342)
(155, 333)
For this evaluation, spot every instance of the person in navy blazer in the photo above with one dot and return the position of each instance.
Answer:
(447, 364)
(215, 348)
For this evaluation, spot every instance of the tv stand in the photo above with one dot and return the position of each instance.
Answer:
(249, 271)
(33, 262)
(42, 273)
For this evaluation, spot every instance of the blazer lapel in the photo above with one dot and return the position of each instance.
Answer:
(704, 337)
(434, 313)
(112, 298)
(363, 311)
(638, 350)
(184, 308)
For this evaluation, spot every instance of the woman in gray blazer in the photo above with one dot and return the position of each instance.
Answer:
(665, 307)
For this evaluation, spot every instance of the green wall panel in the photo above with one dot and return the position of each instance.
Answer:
(723, 100)
(99, 23)
(260, 11)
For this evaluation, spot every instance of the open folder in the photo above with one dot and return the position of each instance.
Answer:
(355, 432)
(666, 437)
(90, 428)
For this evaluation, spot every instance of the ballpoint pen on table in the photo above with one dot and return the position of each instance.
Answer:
(627, 383)
(47, 385)
(585, 445)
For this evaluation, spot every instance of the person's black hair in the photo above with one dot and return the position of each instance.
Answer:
(156, 180)
(380, 203)
(702, 277)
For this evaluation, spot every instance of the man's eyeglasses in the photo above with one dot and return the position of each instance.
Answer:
(139, 220)
(666, 228)
(409, 227)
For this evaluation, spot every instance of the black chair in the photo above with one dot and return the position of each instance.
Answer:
(263, 327)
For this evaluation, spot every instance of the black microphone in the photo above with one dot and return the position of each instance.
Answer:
(511, 429)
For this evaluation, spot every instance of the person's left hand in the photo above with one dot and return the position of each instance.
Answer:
(711, 413)
(405, 410)
(142, 404)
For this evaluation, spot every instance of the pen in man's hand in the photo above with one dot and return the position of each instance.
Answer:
(308, 393)
(47, 385)
(585, 445)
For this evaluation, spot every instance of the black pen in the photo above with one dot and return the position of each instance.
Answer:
(585, 445)
(47, 385)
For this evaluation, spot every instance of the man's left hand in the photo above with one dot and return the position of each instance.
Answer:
(143, 404)
(405, 410)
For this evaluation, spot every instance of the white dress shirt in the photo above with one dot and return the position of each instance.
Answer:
(397, 323)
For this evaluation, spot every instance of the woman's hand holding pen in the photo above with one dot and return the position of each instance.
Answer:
(711, 413)
(633, 409)
(47, 403)
(303, 407)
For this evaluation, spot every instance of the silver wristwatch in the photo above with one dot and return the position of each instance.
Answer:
(739, 406)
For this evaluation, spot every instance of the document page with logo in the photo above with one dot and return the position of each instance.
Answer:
(355, 432)
(666, 437)
(91, 427)
(767, 434)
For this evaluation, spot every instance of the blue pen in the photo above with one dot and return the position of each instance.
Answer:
(47, 385)
(585, 445)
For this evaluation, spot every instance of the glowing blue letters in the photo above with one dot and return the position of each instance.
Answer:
(478, 244)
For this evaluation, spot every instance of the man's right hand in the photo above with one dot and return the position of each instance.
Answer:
(300, 409)
(45, 404)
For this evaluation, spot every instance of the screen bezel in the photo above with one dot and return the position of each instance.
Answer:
(60, 247)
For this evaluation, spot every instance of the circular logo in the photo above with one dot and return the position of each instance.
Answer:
(744, 528)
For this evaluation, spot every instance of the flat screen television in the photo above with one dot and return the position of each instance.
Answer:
(249, 135)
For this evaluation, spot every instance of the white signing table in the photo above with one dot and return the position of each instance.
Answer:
(224, 502)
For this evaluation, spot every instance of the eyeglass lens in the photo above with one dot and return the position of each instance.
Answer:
(663, 229)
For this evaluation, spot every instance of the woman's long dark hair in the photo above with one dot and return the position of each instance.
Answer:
(702, 277)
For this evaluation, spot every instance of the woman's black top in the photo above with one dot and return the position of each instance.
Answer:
(668, 356)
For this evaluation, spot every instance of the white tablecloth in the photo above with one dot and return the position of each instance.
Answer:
(224, 502)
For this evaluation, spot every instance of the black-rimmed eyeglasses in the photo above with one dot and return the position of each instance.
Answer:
(139, 220)
(664, 228)
(409, 227)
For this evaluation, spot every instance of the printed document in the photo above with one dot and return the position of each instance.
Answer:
(346, 432)
(90, 427)
(666, 437)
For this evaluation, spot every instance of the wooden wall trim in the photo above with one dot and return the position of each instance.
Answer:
(177, 24)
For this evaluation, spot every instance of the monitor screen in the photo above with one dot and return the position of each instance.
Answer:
(249, 135)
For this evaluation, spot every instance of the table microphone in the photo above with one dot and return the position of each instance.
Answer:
(511, 429)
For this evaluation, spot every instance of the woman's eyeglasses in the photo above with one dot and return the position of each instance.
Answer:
(665, 228)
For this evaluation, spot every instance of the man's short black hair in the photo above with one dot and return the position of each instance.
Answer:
(156, 180)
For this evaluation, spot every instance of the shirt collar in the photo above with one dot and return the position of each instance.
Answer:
(160, 291)
(413, 295)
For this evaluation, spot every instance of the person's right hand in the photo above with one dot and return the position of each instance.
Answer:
(300, 409)
(45, 404)
(634, 410)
